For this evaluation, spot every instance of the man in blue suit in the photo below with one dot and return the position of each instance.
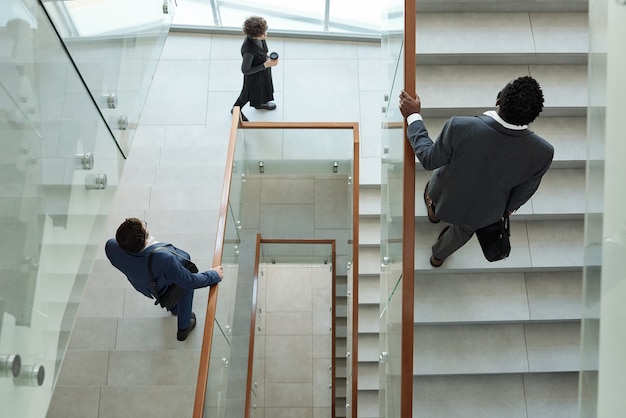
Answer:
(483, 166)
(129, 252)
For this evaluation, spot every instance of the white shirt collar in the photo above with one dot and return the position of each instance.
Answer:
(497, 118)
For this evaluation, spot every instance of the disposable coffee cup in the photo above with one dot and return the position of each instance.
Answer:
(274, 55)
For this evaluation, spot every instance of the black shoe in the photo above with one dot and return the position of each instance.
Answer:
(435, 262)
(266, 106)
(243, 117)
(182, 335)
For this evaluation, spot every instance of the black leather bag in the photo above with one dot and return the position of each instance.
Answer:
(169, 299)
(494, 239)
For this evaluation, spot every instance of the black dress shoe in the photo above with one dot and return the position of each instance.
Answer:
(435, 262)
(182, 335)
(266, 106)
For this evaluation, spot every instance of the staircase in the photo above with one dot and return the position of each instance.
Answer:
(495, 339)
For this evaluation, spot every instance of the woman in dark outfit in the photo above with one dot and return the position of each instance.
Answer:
(258, 88)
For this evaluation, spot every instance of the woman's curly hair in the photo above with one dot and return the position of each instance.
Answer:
(521, 101)
(254, 26)
(131, 235)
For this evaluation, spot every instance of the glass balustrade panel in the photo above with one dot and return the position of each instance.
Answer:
(116, 46)
(391, 210)
(286, 184)
(60, 169)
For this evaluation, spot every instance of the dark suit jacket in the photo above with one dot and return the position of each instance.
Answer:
(481, 168)
(166, 267)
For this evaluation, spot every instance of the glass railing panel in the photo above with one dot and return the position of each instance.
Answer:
(603, 248)
(224, 331)
(351, 337)
(390, 344)
(217, 380)
(60, 169)
(286, 184)
(116, 46)
(391, 210)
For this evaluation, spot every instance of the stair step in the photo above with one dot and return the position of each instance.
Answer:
(430, 6)
(523, 37)
(369, 321)
(369, 289)
(369, 403)
(369, 232)
(536, 245)
(493, 297)
(369, 202)
(497, 349)
(448, 90)
(368, 376)
(546, 395)
(369, 349)
(369, 261)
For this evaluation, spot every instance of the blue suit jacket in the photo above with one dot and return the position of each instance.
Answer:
(481, 168)
(166, 268)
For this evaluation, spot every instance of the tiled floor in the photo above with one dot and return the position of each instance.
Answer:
(124, 360)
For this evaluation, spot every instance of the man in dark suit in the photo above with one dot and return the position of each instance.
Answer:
(129, 252)
(484, 166)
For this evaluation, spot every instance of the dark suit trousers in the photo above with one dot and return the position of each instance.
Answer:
(453, 239)
(183, 309)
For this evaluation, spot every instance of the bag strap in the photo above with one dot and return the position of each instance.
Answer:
(155, 292)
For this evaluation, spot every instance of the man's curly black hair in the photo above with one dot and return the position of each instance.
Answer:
(254, 26)
(521, 101)
(131, 235)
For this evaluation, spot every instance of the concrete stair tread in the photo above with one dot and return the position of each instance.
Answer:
(369, 290)
(496, 348)
(509, 58)
(429, 6)
(546, 395)
(498, 297)
(448, 90)
(369, 320)
(521, 35)
(536, 246)
(369, 202)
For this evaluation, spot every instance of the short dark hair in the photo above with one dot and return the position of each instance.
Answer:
(521, 101)
(254, 26)
(131, 235)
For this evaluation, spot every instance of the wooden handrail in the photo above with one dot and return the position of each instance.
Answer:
(408, 224)
(299, 125)
(355, 274)
(255, 290)
(209, 322)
